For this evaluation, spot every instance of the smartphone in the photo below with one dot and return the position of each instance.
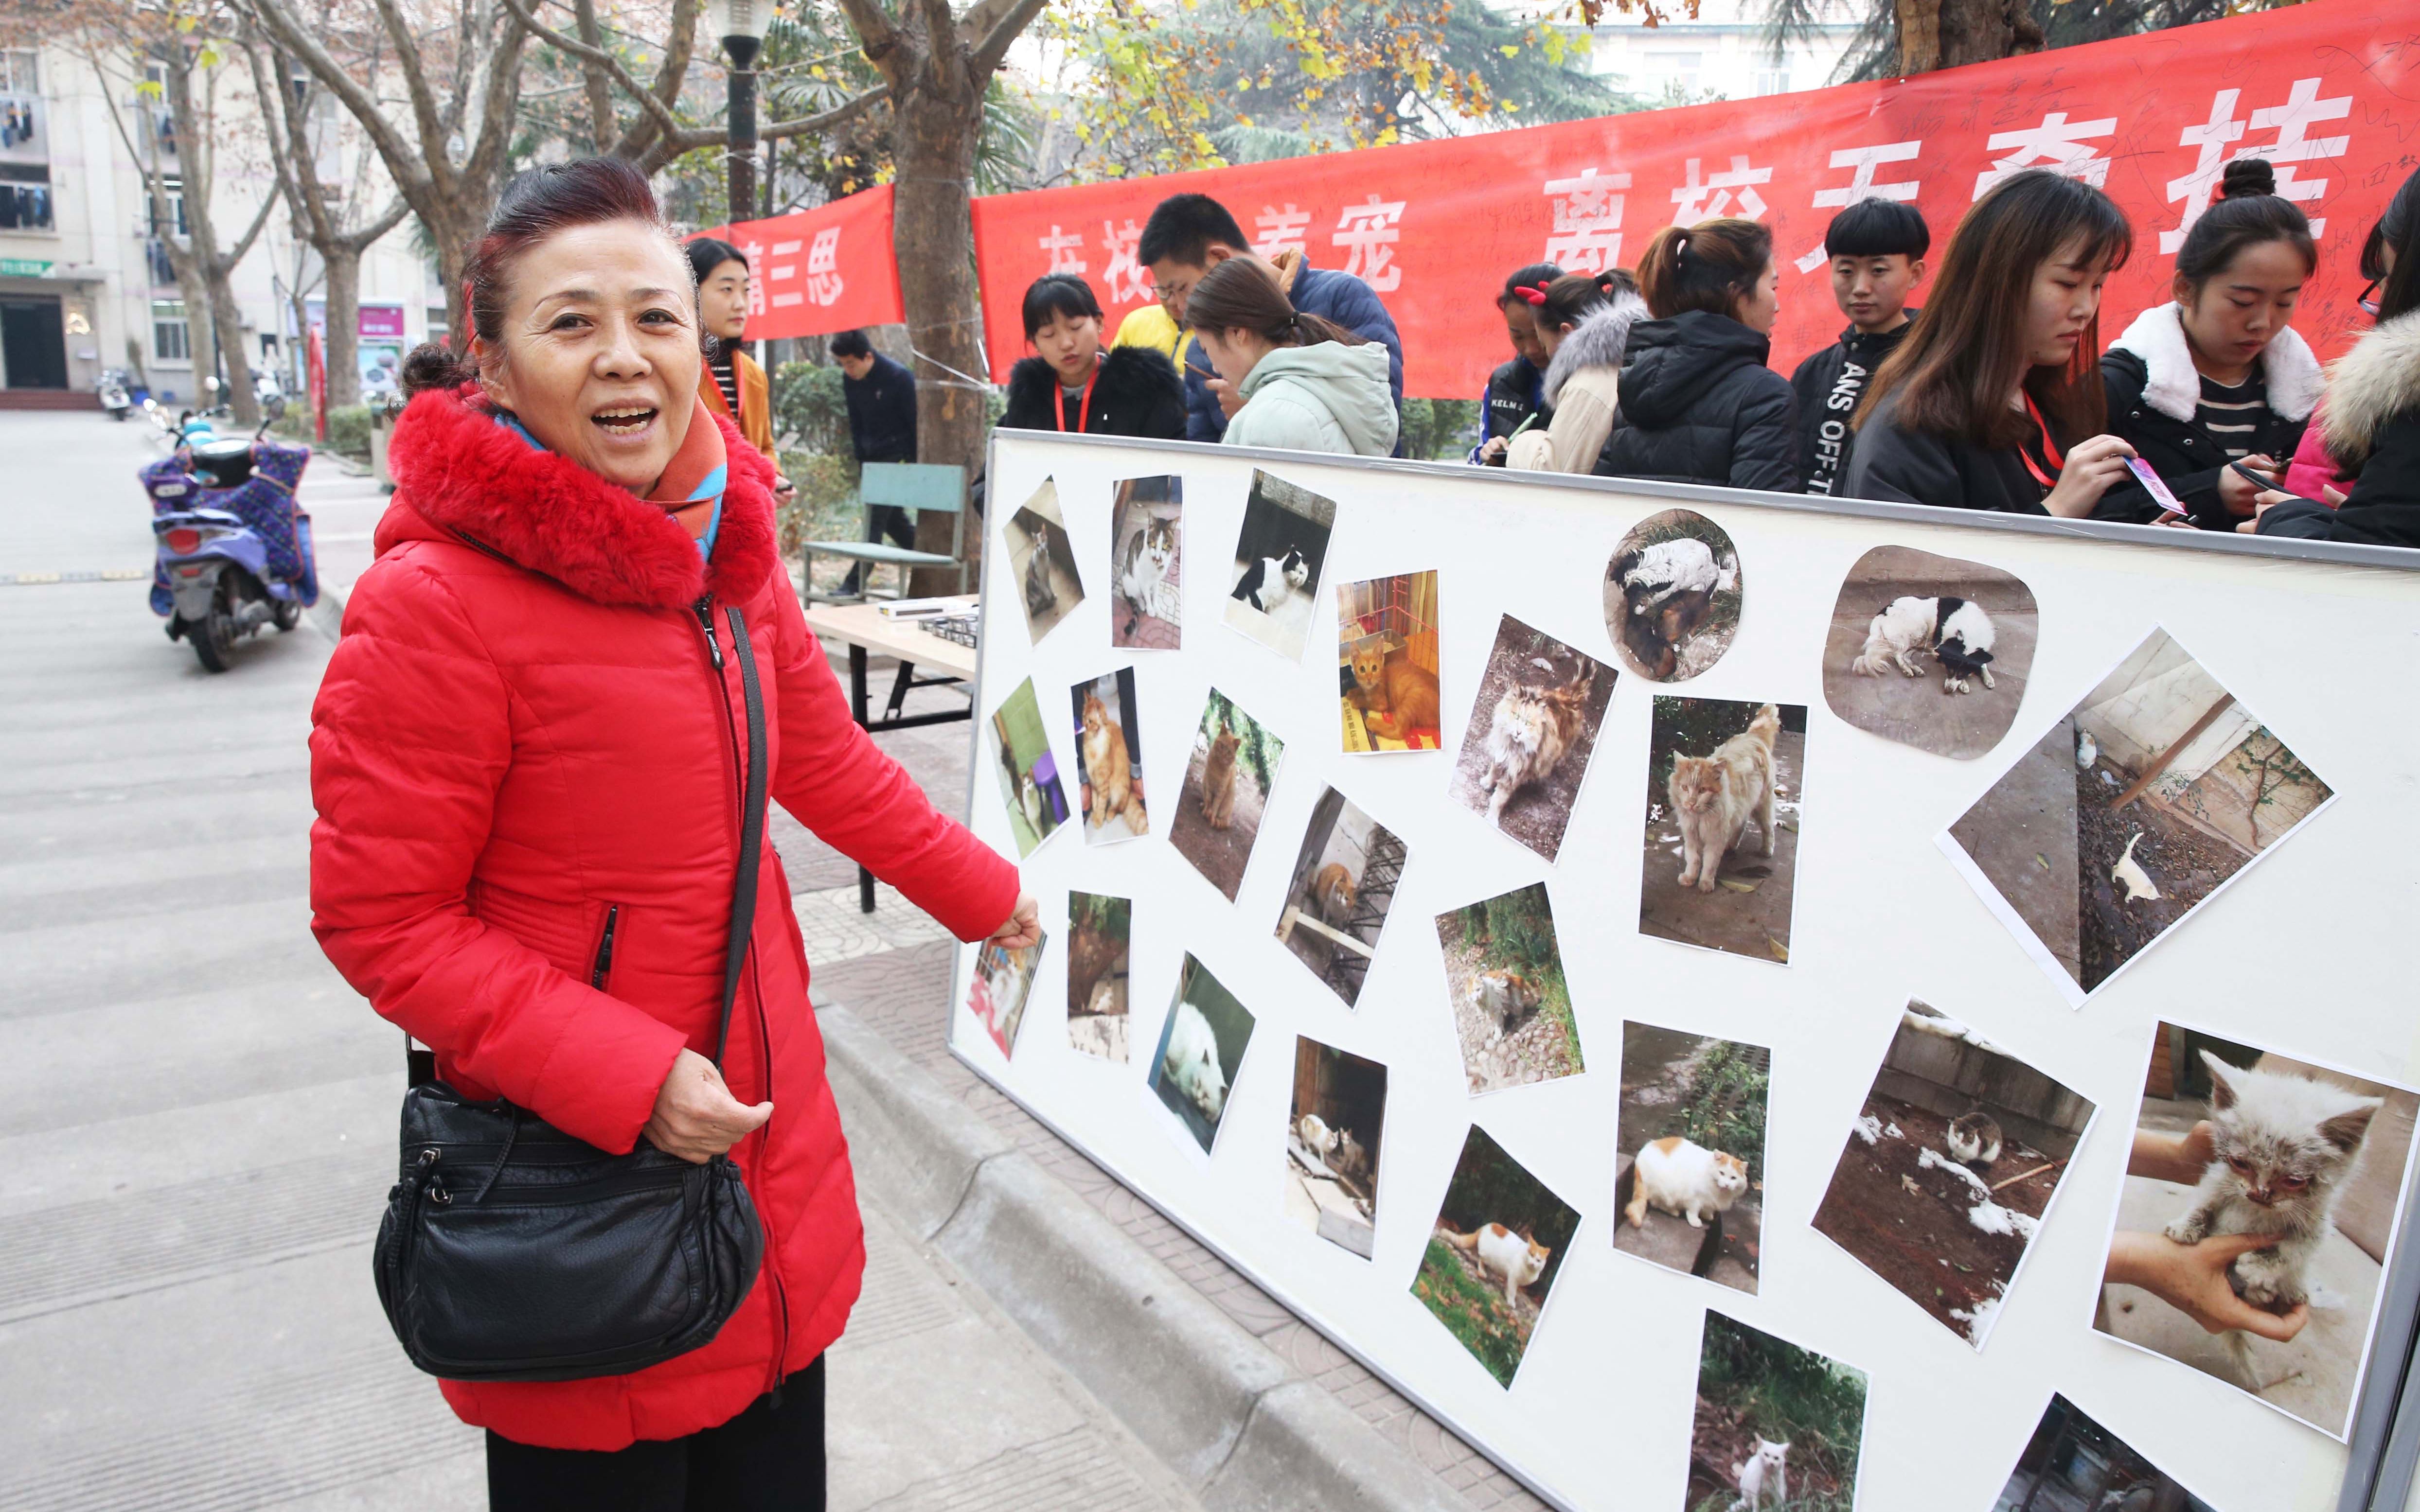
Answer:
(2269, 485)
(2153, 485)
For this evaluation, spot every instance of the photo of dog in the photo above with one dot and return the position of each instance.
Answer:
(1674, 596)
(1930, 651)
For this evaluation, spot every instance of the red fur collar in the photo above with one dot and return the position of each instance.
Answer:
(464, 475)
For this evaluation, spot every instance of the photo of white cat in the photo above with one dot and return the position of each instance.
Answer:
(1721, 855)
(1777, 1428)
(1493, 1254)
(2286, 1178)
(1950, 1170)
(1689, 1153)
(2072, 1462)
(1929, 650)
(1201, 1052)
(1333, 1137)
(1273, 587)
(1147, 564)
(1042, 561)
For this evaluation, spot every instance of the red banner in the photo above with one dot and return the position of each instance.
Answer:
(821, 270)
(2323, 90)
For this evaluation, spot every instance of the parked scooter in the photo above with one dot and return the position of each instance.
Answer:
(234, 552)
(114, 396)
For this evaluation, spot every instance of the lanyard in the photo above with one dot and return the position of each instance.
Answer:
(2051, 452)
(1083, 408)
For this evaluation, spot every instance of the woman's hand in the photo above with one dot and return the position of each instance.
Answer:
(2192, 1278)
(1022, 928)
(1491, 451)
(696, 1117)
(2237, 493)
(2330, 495)
(783, 489)
(2093, 467)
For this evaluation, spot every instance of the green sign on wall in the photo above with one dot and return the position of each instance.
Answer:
(23, 268)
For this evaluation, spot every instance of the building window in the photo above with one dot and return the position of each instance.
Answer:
(173, 189)
(168, 331)
(1773, 81)
(1674, 71)
(20, 74)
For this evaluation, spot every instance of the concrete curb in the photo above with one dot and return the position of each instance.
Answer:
(1219, 1407)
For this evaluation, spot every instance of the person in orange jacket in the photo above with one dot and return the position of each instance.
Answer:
(733, 384)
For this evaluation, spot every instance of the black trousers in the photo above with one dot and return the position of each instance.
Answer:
(769, 1458)
(893, 522)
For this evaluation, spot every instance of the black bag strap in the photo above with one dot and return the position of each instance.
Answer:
(752, 832)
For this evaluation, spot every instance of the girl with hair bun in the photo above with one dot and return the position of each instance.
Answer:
(1698, 404)
(1307, 384)
(1074, 383)
(1584, 319)
(2216, 375)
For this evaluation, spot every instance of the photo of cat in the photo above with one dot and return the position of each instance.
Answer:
(1674, 596)
(1343, 883)
(1493, 1254)
(1387, 663)
(1930, 651)
(2072, 1462)
(1042, 561)
(1504, 978)
(1099, 932)
(2236, 1146)
(1721, 859)
(1333, 1135)
(1532, 728)
(1777, 1428)
(1028, 772)
(1227, 777)
(1950, 1170)
(1109, 758)
(1201, 1052)
(1003, 982)
(1274, 587)
(2149, 797)
(1688, 1182)
(1147, 563)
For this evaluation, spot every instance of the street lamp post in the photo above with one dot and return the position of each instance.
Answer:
(742, 25)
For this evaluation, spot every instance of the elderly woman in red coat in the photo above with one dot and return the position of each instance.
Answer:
(526, 763)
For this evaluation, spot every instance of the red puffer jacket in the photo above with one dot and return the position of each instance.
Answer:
(526, 761)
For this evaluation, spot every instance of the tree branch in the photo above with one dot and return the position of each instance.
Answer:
(670, 75)
(234, 255)
(393, 150)
(425, 114)
(945, 53)
(499, 94)
(603, 128)
(847, 110)
(363, 237)
(877, 38)
(998, 23)
(661, 114)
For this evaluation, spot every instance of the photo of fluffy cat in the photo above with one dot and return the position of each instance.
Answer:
(1533, 727)
(1108, 745)
(1911, 631)
(1200, 1053)
(1028, 773)
(1342, 885)
(1504, 978)
(1493, 1254)
(1387, 657)
(1674, 596)
(1720, 866)
(1273, 584)
(2234, 1142)
(1331, 1163)
(1777, 1428)
(1036, 547)
(1689, 1153)
(1765, 1472)
(1228, 775)
(1146, 539)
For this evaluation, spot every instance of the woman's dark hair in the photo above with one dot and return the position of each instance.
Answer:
(1244, 292)
(2248, 214)
(1062, 295)
(1958, 363)
(1710, 266)
(1878, 228)
(2398, 229)
(535, 203)
(1528, 285)
(1572, 297)
(706, 254)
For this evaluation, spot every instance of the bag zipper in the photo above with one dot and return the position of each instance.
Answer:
(604, 966)
(541, 1195)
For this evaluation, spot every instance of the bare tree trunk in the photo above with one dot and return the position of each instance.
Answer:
(1948, 34)
(342, 279)
(934, 148)
(603, 128)
(201, 323)
(197, 148)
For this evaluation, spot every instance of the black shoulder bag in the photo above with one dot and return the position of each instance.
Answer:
(512, 1251)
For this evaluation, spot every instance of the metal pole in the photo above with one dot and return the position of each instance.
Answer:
(740, 148)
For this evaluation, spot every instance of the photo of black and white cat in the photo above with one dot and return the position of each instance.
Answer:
(1930, 651)
(2283, 1176)
(1042, 560)
(1688, 1185)
(1950, 1170)
(1274, 586)
(1333, 1135)
(1493, 1254)
(1147, 564)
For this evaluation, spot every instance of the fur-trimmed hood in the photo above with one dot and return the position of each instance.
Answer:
(2172, 386)
(461, 476)
(1597, 341)
(2370, 385)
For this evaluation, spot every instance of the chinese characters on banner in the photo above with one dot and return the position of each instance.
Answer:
(821, 270)
(2319, 90)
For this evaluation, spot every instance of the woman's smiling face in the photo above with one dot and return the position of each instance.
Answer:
(599, 355)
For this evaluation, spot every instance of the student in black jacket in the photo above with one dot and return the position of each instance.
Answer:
(1516, 390)
(881, 398)
(1877, 248)
(1074, 383)
(2216, 375)
(1697, 403)
(1993, 400)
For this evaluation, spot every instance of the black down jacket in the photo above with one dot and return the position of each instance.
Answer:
(2371, 423)
(1136, 393)
(1903, 466)
(1697, 404)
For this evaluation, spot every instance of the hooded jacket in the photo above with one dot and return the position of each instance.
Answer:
(1829, 385)
(1135, 393)
(1699, 406)
(1324, 397)
(2371, 426)
(1582, 383)
(1339, 299)
(530, 745)
(2154, 393)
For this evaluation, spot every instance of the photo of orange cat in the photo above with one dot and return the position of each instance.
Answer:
(1343, 883)
(1109, 767)
(1721, 839)
(1387, 659)
(1228, 776)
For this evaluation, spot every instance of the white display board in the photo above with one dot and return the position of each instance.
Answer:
(2301, 952)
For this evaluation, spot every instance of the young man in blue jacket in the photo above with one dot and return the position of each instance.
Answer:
(1190, 234)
